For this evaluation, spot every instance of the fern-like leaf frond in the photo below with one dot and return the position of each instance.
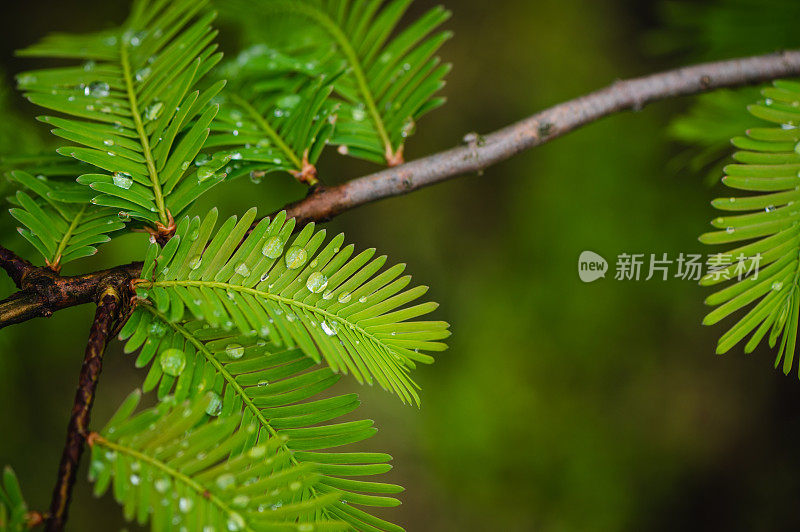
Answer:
(13, 509)
(275, 116)
(282, 392)
(171, 466)
(58, 219)
(296, 292)
(132, 110)
(389, 83)
(768, 162)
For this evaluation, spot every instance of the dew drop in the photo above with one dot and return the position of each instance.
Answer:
(235, 522)
(153, 110)
(296, 257)
(344, 297)
(122, 180)
(108, 142)
(225, 481)
(243, 270)
(173, 361)
(195, 262)
(317, 282)
(162, 484)
(331, 329)
(273, 248)
(204, 173)
(135, 479)
(234, 351)
(214, 404)
(98, 89)
(777, 285)
(143, 73)
(185, 505)
(240, 501)
(359, 114)
(362, 299)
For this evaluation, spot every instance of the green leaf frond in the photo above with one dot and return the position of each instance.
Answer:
(707, 128)
(389, 83)
(283, 393)
(132, 109)
(172, 466)
(58, 220)
(276, 115)
(765, 225)
(295, 291)
(13, 509)
(47, 164)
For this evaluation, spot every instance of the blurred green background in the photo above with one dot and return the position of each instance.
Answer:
(560, 406)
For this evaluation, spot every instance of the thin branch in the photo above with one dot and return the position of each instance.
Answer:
(14, 266)
(478, 153)
(44, 292)
(111, 301)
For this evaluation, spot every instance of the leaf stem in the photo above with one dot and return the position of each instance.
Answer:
(294, 6)
(137, 120)
(65, 239)
(266, 295)
(264, 125)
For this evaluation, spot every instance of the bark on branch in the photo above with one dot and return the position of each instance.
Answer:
(113, 297)
(480, 152)
(45, 292)
(16, 268)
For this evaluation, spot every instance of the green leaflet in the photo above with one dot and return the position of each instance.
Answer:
(767, 164)
(388, 84)
(13, 509)
(283, 393)
(132, 109)
(275, 115)
(58, 220)
(173, 467)
(706, 130)
(294, 291)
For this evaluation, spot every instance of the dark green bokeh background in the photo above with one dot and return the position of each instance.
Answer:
(560, 406)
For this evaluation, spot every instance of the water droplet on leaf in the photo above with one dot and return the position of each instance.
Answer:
(234, 351)
(317, 282)
(296, 257)
(122, 180)
(173, 360)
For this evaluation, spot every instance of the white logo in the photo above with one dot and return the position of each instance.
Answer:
(591, 266)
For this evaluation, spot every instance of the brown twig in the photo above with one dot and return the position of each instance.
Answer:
(478, 153)
(44, 292)
(111, 300)
(17, 268)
